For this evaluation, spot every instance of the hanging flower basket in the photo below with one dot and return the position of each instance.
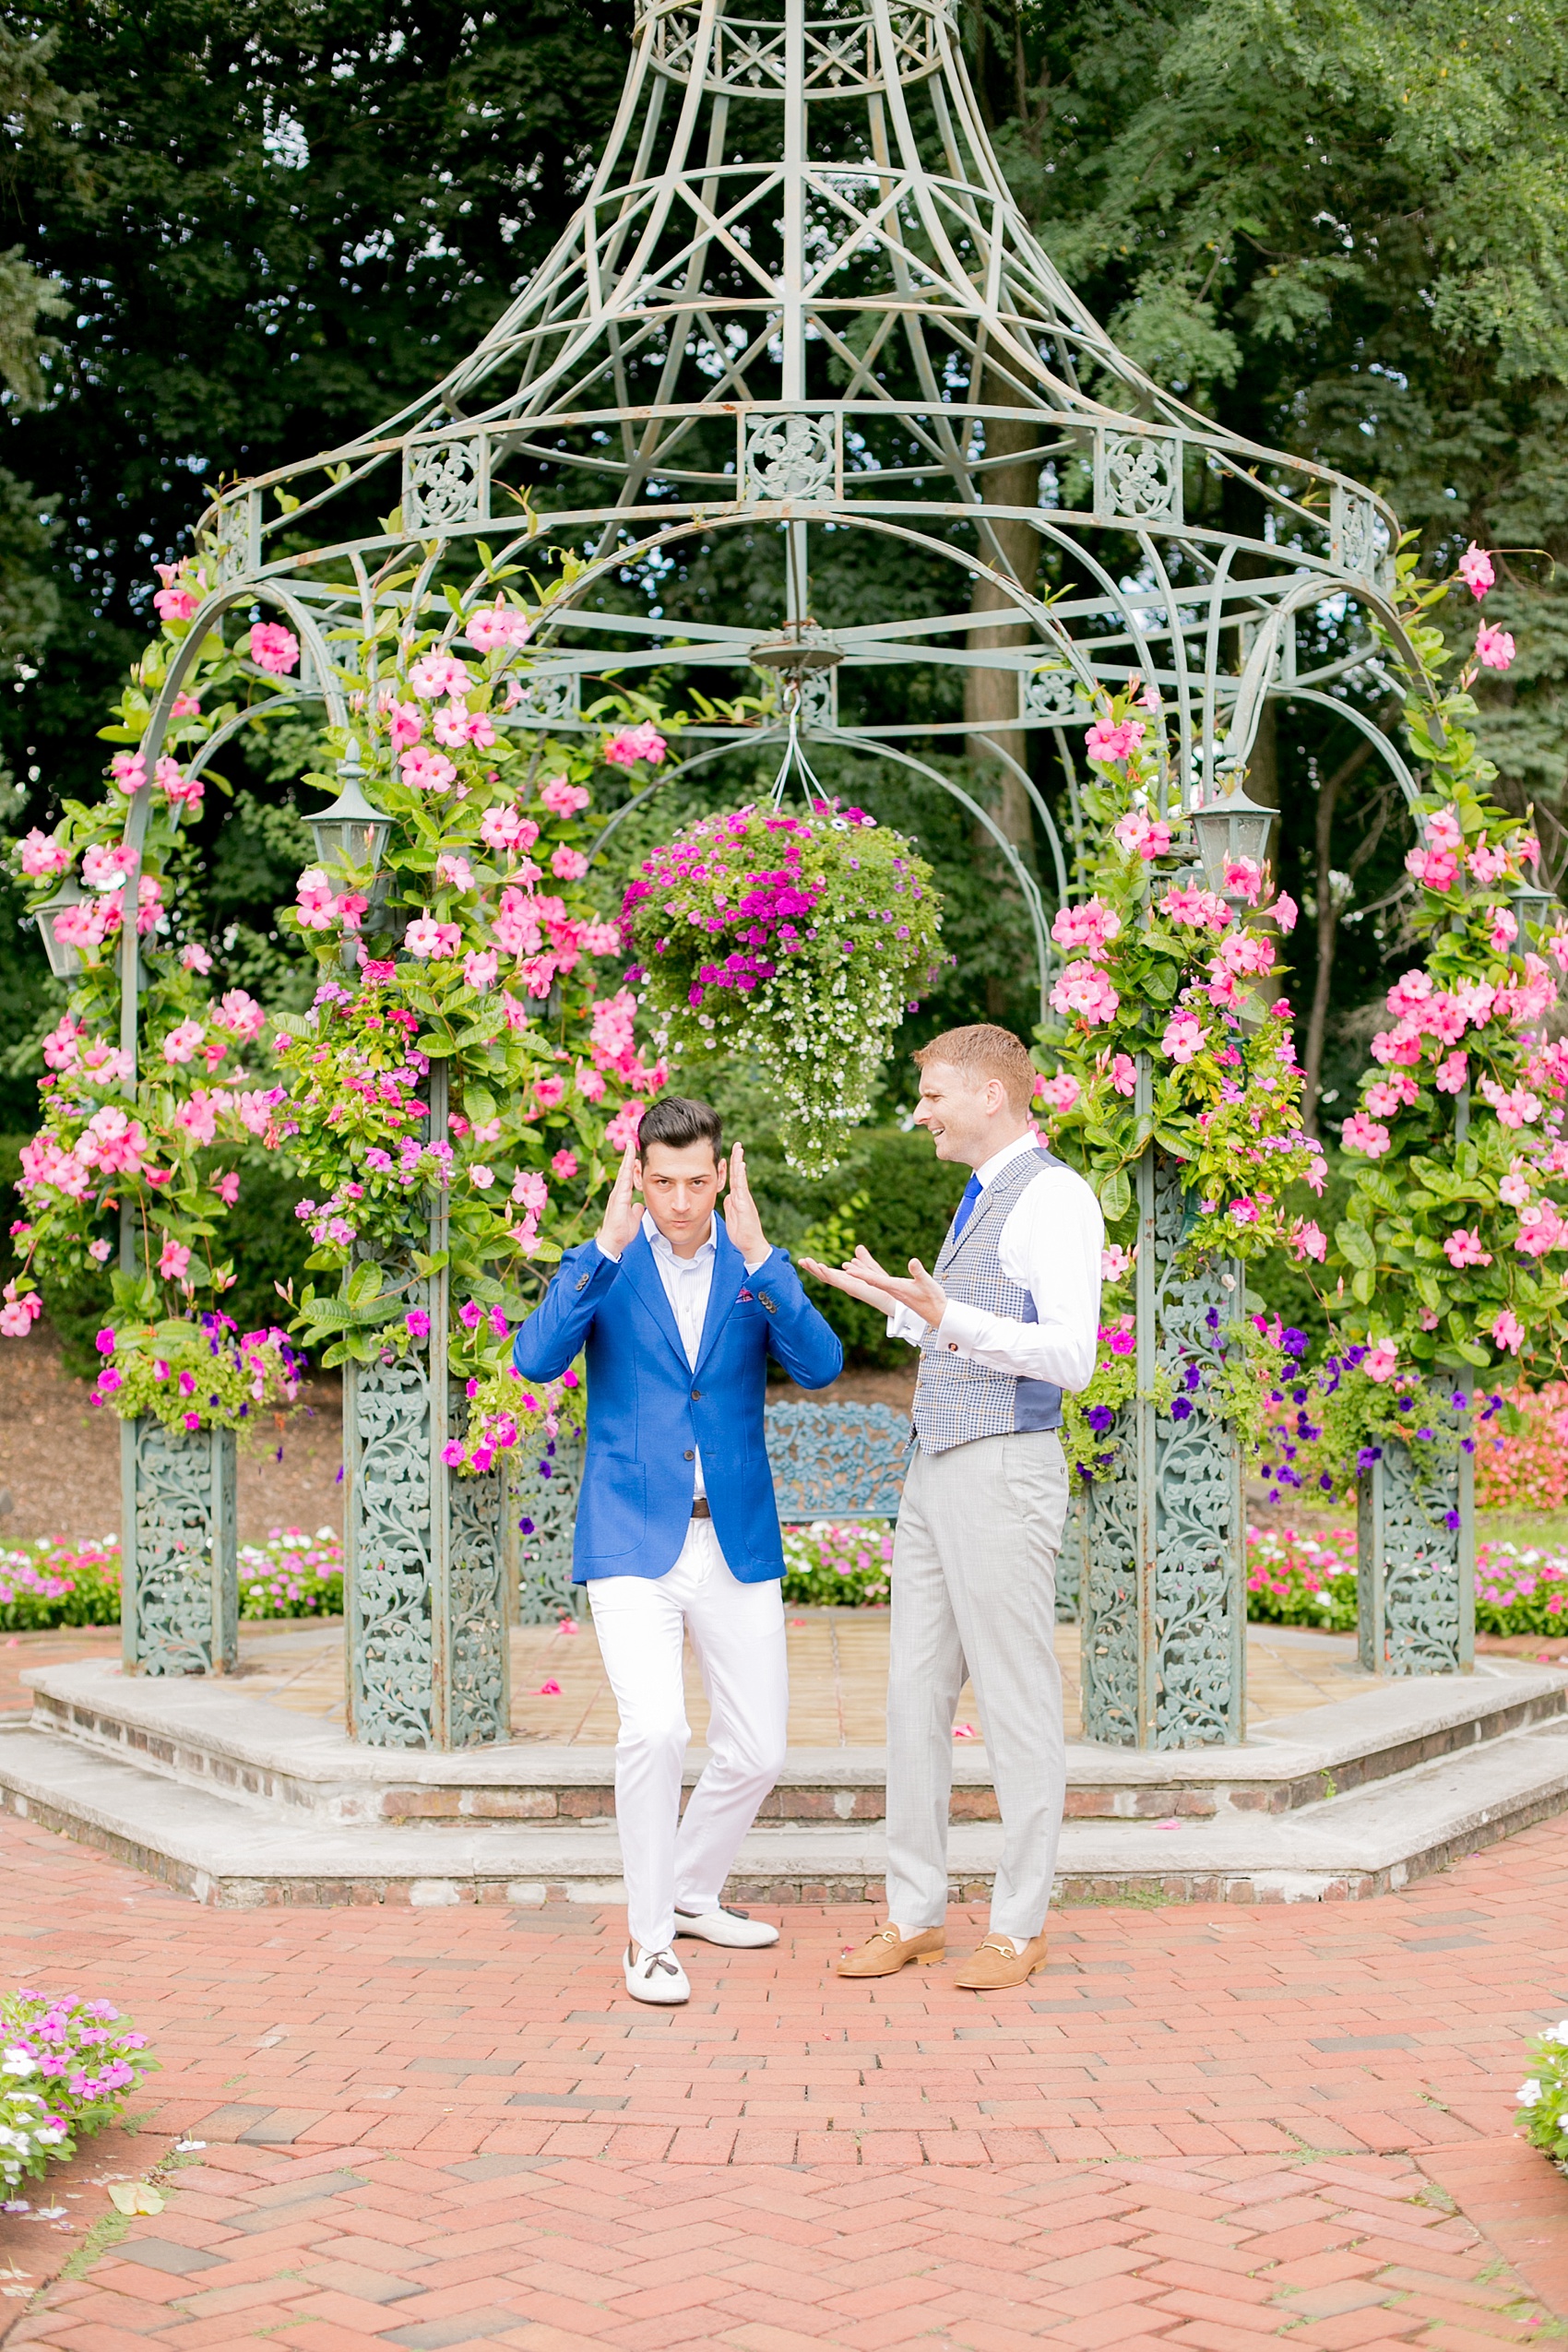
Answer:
(799, 941)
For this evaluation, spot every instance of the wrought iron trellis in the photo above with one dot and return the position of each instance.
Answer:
(799, 295)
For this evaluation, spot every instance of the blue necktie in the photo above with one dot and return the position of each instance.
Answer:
(966, 1208)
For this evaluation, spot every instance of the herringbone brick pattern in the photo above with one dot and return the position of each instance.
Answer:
(1213, 2128)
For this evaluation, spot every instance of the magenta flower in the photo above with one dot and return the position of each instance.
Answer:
(1494, 647)
(1475, 570)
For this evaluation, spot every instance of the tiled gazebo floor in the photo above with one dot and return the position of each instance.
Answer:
(837, 1678)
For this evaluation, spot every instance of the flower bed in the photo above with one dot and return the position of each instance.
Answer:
(1301, 1580)
(47, 1583)
(1528, 1470)
(68, 2068)
(836, 1564)
(292, 1575)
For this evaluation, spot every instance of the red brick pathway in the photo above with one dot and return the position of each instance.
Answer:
(1214, 2128)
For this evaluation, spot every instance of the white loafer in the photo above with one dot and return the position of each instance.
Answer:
(725, 1926)
(657, 1977)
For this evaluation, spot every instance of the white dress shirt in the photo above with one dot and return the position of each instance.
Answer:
(687, 1283)
(1049, 1245)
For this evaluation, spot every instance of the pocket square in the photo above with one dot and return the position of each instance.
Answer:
(744, 1298)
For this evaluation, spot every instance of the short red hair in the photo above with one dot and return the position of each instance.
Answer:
(981, 1052)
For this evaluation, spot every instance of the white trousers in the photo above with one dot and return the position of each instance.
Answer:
(737, 1631)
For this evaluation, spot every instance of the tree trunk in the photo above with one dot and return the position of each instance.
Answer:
(990, 696)
(1327, 928)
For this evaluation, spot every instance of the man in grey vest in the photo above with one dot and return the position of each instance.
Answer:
(1008, 1320)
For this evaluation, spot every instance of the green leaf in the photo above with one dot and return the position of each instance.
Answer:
(1355, 1244)
(1364, 1286)
(1115, 1197)
(364, 1284)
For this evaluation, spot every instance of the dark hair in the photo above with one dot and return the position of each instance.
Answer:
(677, 1120)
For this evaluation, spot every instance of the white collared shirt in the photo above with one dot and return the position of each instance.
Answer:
(1049, 1245)
(688, 1284)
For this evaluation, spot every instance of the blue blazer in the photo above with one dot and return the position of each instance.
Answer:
(648, 1410)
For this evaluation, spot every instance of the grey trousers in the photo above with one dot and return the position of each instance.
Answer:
(974, 1584)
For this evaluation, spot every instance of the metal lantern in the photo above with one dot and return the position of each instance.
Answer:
(350, 832)
(1532, 906)
(63, 962)
(1230, 829)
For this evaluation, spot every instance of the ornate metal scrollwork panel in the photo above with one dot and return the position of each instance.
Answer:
(445, 482)
(1054, 695)
(478, 1695)
(789, 456)
(1164, 1621)
(1415, 1555)
(550, 695)
(1138, 476)
(544, 1501)
(391, 1667)
(836, 1461)
(181, 1605)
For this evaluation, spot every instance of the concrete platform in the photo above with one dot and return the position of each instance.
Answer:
(239, 1801)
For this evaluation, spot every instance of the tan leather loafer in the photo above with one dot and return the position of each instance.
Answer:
(996, 1965)
(886, 1952)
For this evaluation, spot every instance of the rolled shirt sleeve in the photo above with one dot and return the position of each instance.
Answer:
(1050, 1246)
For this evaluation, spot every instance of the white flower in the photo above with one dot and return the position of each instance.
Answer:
(1528, 2094)
(18, 2062)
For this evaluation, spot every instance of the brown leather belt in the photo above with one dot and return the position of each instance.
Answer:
(700, 1509)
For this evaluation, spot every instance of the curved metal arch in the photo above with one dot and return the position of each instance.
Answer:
(1383, 744)
(1028, 887)
(209, 612)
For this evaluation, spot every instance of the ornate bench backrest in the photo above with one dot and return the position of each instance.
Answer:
(836, 1461)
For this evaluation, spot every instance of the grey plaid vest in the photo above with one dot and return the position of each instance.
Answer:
(957, 1400)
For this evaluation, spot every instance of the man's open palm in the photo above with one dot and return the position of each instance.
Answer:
(622, 1218)
(741, 1221)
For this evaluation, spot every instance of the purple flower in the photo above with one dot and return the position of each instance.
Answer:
(105, 1343)
(418, 1322)
(1181, 1409)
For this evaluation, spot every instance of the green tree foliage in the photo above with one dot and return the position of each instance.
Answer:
(1342, 226)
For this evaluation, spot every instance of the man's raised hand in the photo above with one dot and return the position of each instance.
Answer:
(623, 1218)
(861, 1278)
(741, 1221)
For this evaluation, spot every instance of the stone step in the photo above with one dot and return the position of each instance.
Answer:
(209, 1735)
(240, 1849)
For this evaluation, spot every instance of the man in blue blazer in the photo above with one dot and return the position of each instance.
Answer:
(677, 1531)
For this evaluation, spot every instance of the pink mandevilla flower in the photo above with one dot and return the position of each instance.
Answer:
(1494, 647)
(274, 648)
(1476, 571)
